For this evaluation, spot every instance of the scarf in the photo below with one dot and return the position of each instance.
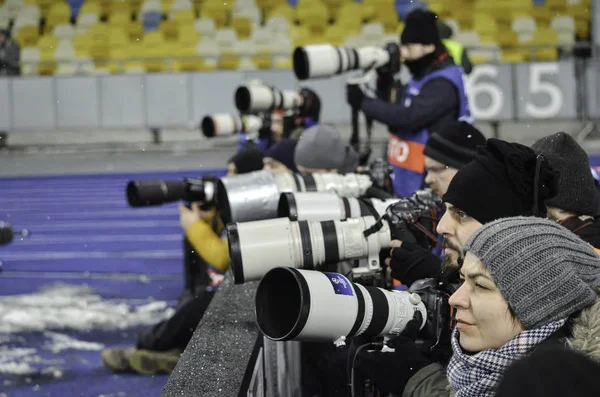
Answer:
(477, 375)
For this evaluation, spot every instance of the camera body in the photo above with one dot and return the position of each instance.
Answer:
(439, 321)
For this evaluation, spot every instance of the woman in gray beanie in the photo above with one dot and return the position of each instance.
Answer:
(527, 282)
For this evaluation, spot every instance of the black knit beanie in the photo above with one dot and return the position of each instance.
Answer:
(576, 190)
(420, 27)
(551, 371)
(500, 183)
(248, 160)
(284, 153)
(455, 144)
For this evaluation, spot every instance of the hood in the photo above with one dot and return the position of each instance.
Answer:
(586, 331)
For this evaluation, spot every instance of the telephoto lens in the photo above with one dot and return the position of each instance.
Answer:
(255, 196)
(257, 247)
(227, 124)
(253, 99)
(326, 206)
(157, 192)
(304, 305)
(326, 60)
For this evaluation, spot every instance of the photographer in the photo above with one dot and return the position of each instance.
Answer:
(446, 152)
(286, 124)
(434, 97)
(280, 158)
(206, 258)
(10, 55)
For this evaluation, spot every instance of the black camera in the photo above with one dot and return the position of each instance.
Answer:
(157, 192)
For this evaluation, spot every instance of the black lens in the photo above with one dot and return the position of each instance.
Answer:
(208, 127)
(235, 253)
(6, 233)
(282, 319)
(223, 203)
(243, 98)
(301, 64)
(287, 207)
(156, 192)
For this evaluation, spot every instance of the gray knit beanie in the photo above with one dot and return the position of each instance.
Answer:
(576, 190)
(320, 147)
(544, 271)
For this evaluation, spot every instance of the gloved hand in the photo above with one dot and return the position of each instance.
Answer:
(356, 91)
(391, 371)
(410, 262)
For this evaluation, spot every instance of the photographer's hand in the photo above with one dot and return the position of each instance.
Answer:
(410, 262)
(188, 216)
(356, 91)
(391, 371)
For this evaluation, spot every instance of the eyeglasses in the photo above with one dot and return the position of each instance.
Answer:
(436, 170)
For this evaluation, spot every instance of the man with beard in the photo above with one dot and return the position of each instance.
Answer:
(434, 96)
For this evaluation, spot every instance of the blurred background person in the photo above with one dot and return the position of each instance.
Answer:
(457, 51)
(434, 97)
(10, 55)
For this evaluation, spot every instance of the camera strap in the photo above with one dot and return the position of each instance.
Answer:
(536, 182)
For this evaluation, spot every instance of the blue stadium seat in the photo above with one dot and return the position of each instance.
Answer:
(75, 6)
(151, 20)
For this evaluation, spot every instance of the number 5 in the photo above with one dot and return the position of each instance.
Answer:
(540, 87)
(490, 89)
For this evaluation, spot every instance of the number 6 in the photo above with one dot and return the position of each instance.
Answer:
(538, 86)
(492, 90)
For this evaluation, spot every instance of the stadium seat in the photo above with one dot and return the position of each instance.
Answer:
(253, 14)
(32, 11)
(47, 45)
(285, 11)
(26, 35)
(525, 27)
(64, 31)
(542, 37)
(90, 7)
(169, 29)
(59, 13)
(153, 51)
(185, 16)
(351, 22)
(119, 18)
(151, 6)
(386, 14)
(277, 24)
(218, 13)
(468, 38)
(151, 20)
(454, 25)
(87, 19)
(206, 27)
(209, 50)
(335, 34)
(65, 58)
(188, 35)
(242, 26)
(30, 58)
(182, 5)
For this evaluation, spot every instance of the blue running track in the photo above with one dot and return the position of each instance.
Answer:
(84, 236)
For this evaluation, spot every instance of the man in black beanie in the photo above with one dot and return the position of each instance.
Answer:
(446, 152)
(574, 206)
(433, 98)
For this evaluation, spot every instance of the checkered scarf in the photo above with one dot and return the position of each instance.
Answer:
(477, 375)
